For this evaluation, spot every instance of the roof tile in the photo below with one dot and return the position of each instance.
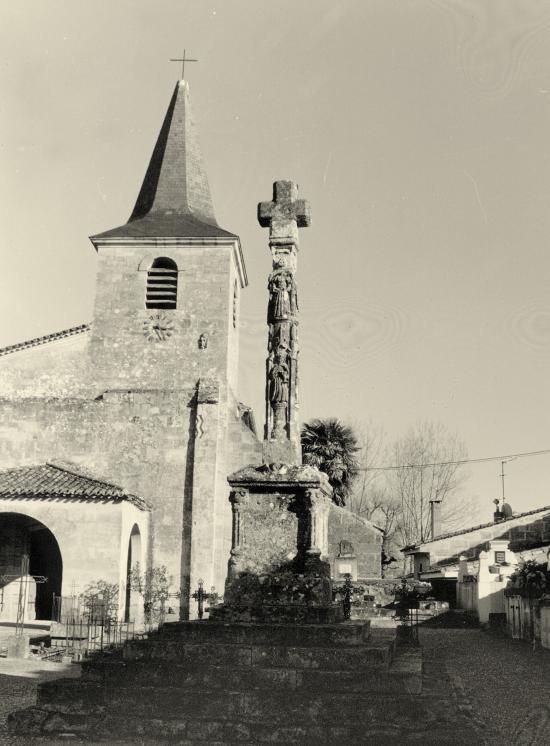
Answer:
(54, 481)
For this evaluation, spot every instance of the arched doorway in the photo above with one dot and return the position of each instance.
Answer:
(132, 610)
(22, 535)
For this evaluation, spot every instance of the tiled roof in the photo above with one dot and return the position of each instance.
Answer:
(45, 339)
(174, 200)
(53, 481)
(477, 528)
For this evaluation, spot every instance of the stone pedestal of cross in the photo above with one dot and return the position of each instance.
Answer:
(283, 216)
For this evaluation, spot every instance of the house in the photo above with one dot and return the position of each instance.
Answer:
(438, 560)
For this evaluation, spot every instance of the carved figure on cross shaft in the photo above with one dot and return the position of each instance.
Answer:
(283, 300)
(279, 377)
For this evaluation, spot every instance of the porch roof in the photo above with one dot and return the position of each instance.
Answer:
(53, 481)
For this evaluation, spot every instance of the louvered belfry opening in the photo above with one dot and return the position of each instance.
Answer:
(162, 284)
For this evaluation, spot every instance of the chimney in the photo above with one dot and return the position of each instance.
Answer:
(498, 515)
(435, 518)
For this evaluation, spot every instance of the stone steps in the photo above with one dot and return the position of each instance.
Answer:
(195, 656)
(418, 729)
(344, 634)
(182, 686)
(317, 685)
(403, 676)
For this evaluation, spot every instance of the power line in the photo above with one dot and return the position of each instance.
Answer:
(457, 463)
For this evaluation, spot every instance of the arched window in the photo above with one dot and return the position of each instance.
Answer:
(162, 284)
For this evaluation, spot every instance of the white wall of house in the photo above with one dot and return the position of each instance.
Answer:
(481, 583)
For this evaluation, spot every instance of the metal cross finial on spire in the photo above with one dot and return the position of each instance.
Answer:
(183, 60)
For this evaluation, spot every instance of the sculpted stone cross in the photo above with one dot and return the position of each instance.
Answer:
(285, 214)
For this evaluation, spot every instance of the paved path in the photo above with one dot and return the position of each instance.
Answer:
(499, 688)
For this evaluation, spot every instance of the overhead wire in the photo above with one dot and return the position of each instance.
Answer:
(459, 462)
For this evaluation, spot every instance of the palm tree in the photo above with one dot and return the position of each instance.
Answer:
(331, 447)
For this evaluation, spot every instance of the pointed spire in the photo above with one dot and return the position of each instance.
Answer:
(176, 179)
(174, 199)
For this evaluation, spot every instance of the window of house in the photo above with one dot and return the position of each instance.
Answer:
(162, 284)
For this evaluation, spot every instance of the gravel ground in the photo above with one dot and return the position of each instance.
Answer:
(18, 682)
(502, 686)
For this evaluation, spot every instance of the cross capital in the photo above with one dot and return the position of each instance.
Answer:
(285, 213)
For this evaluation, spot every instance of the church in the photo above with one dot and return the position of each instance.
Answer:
(118, 435)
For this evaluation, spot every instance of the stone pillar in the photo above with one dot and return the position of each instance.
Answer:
(283, 216)
(199, 523)
(236, 498)
(318, 506)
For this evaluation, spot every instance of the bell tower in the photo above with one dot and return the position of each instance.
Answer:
(164, 353)
(168, 281)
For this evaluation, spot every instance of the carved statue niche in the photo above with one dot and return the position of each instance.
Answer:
(283, 301)
(279, 377)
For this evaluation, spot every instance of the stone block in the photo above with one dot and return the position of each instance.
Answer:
(69, 723)
(170, 702)
(190, 654)
(144, 731)
(159, 673)
(27, 722)
(70, 694)
(280, 613)
(403, 677)
(340, 635)
(331, 659)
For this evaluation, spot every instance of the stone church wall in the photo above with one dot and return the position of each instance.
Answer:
(57, 368)
(135, 440)
(366, 540)
(149, 443)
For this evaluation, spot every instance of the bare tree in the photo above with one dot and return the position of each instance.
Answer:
(371, 497)
(397, 500)
(368, 491)
(427, 458)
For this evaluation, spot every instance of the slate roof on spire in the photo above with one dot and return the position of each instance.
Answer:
(174, 200)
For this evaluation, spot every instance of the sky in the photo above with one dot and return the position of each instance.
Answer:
(418, 130)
